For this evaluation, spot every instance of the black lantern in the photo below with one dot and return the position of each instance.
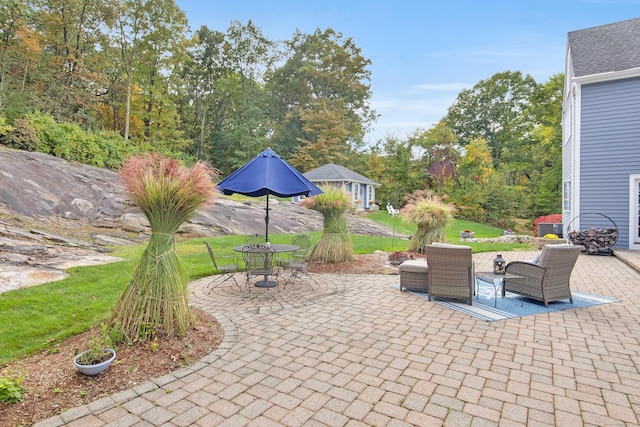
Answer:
(498, 265)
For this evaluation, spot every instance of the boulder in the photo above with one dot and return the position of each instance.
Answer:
(66, 211)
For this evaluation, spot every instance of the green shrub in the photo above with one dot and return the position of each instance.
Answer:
(114, 149)
(47, 130)
(78, 146)
(21, 137)
(4, 127)
(11, 390)
(71, 142)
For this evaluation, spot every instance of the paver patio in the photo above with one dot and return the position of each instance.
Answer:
(356, 352)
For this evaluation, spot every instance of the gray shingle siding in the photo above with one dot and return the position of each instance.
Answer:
(609, 152)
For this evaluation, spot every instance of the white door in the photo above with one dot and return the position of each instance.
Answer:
(634, 212)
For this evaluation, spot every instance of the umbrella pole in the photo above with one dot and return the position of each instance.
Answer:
(266, 221)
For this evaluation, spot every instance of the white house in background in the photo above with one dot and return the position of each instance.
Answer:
(601, 130)
(360, 187)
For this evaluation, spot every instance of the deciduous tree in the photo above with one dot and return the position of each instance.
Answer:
(201, 75)
(320, 66)
(151, 36)
(478, 191)
(225, 94)
(494, 110)
(546, 180)
(19, 51)
(73, 31)
(324, 126)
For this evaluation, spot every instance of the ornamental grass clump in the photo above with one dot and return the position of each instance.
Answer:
(430, 213)
(155, 303)
(335, 243)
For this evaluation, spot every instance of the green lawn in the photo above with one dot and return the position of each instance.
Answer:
(452, 232)
(37, 317)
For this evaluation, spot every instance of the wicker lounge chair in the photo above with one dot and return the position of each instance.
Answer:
(450, 272)
(548, 279)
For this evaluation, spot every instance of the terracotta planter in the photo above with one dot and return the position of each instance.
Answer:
(540, 242)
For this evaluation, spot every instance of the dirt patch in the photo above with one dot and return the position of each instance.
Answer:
(361, 264)
(53, 384)
(375, 263)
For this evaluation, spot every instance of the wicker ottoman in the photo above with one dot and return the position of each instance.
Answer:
(413, 275)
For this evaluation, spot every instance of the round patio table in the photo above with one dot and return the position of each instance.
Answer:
(277, 248)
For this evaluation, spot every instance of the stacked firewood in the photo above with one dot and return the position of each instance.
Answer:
(594, 240)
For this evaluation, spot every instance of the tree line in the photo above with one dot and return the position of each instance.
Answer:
(96, 81)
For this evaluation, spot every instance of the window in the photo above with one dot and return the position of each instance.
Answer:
(566, 196)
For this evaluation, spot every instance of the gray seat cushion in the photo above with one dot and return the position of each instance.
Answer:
(414, 266)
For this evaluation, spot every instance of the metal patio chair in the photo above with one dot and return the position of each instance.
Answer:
(303, 242)
(228, 266)
(255, 239)
(297, 268)
(260, 261)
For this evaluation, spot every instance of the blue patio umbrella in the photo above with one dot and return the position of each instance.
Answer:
(268, 174)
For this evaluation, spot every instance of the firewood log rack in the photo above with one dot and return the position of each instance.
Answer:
(594, 241)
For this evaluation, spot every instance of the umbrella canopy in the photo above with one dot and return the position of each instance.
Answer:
(268, 174)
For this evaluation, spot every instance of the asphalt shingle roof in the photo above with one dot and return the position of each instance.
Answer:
(331, 172)
(606, 48)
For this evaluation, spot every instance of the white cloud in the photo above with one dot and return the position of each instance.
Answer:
(402, 116)
(435, 106)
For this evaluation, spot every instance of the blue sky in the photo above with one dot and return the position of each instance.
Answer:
(424, 52)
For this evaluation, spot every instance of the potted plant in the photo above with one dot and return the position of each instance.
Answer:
(98, 357)
(467, 234)
(548, 239)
